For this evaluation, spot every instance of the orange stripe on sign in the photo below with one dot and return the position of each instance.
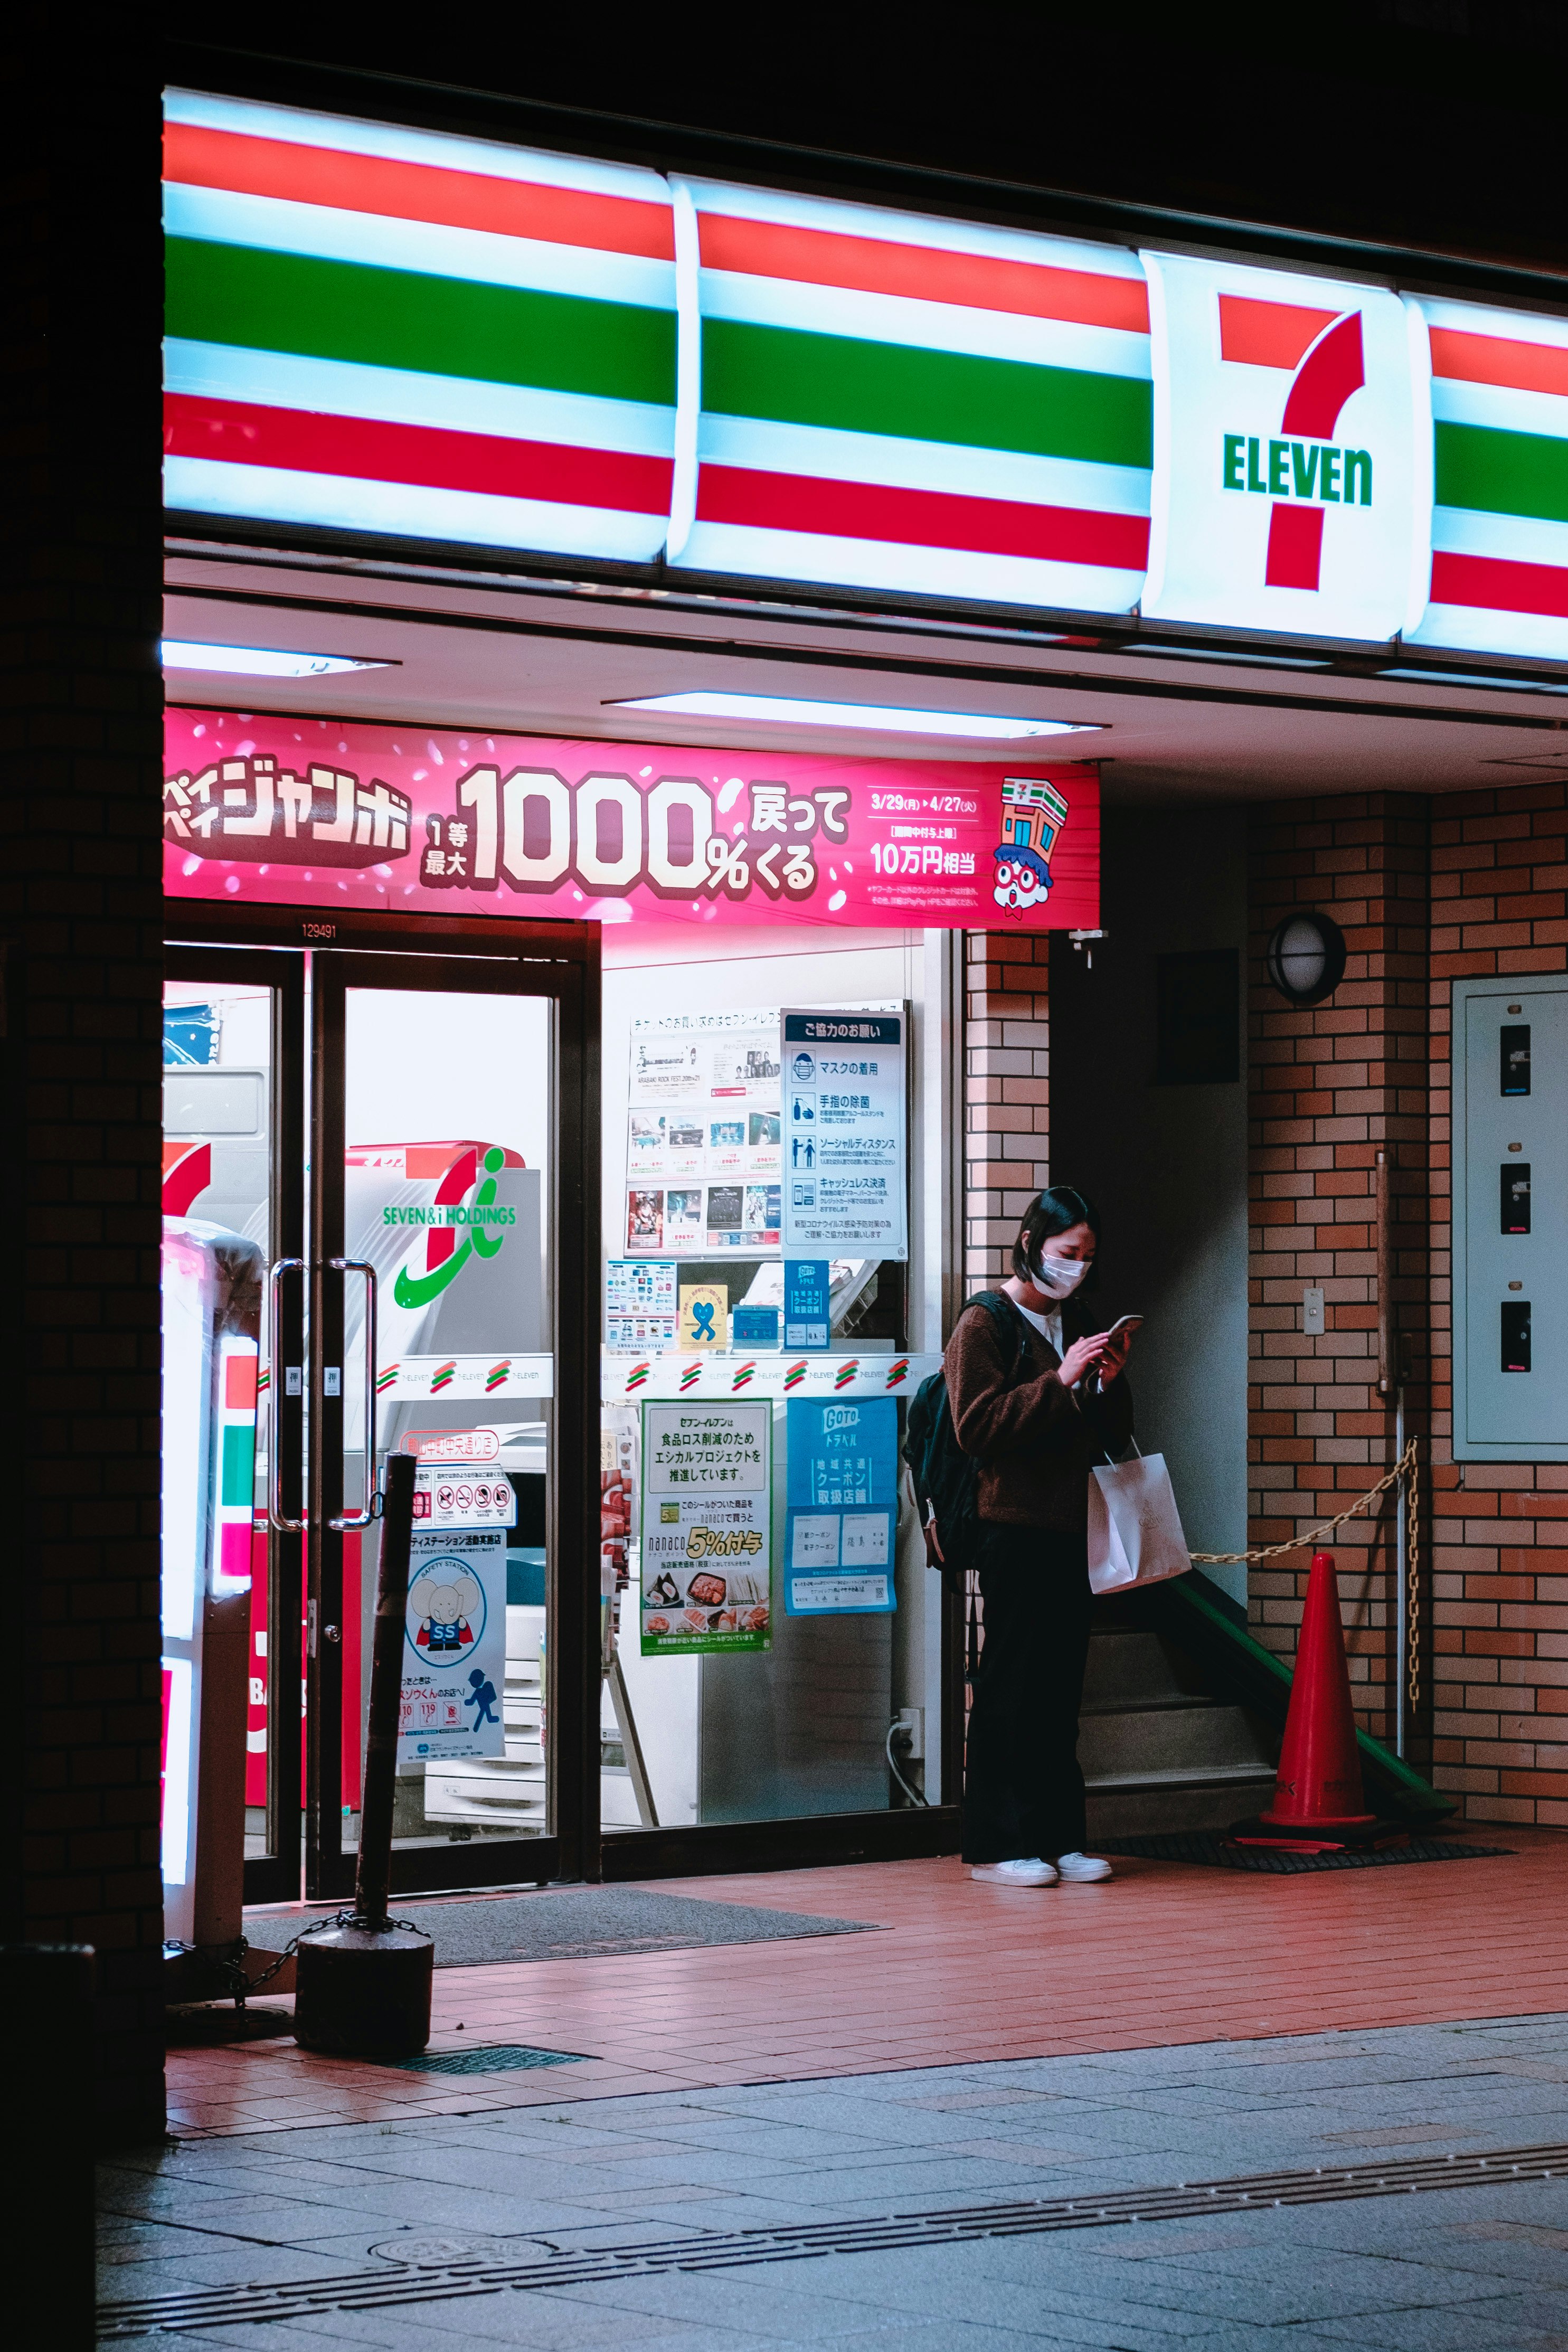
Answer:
(1493, 358)
(812, 257)
(1268, 335)
(198, 158)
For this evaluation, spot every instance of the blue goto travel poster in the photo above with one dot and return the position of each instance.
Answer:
(842, 1499)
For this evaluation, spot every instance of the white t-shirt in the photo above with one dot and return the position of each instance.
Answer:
(1049, 1326)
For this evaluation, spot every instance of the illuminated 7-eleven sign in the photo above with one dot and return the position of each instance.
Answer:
(1292, 453)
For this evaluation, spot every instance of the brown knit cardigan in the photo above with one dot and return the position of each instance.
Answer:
(1036, 1440)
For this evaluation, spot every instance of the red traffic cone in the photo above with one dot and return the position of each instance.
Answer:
(1318, 1805)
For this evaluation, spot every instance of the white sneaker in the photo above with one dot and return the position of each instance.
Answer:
(1081, 1867)
(1035, 1872)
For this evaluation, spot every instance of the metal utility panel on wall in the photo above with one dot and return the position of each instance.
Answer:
(1510, 1221)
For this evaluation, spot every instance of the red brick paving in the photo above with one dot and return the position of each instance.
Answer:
(1165, 1953)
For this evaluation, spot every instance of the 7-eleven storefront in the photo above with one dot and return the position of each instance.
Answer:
(644, 658)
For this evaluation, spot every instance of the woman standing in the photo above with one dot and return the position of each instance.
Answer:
(1037, 1406)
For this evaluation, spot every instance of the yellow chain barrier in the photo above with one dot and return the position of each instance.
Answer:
(1408, 1462)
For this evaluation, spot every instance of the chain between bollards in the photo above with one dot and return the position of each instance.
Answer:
(1406, 1463)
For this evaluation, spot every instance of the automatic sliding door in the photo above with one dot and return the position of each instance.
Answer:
(435, 1304)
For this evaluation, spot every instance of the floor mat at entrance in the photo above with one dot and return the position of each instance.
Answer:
(1219, 1853)
(579, 1924)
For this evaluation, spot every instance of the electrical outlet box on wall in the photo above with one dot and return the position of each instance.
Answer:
(1510, 1220)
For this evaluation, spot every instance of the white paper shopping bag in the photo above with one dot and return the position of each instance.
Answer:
(1134, 1529)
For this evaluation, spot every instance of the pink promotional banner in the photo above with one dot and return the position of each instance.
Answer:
(324, 812)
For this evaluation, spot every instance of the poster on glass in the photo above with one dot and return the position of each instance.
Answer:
(707, 1525)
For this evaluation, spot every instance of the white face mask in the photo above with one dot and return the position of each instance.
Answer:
(1058, 1277)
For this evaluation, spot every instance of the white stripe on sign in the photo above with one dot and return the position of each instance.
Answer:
(378, 241)
(923, 570)
(821, 452)
(347, 502)
(406, 396)
(929, 326)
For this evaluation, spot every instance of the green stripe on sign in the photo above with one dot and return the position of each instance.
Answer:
(982, 404)
(1502, 473)
(403, 319)
(237, 1481)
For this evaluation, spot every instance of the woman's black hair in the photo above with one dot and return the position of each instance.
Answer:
(1055, 1211)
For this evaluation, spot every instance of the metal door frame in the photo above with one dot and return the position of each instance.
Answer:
(559, 962)
(274, 1876)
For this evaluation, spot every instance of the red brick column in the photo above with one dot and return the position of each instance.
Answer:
(1329, 1086)
(1500, 1586)
(1007, 1093)
(80, 922)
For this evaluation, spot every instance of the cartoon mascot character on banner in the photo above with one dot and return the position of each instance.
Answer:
(1033, 814)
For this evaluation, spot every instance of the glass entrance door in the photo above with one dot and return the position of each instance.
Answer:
(406, 1191)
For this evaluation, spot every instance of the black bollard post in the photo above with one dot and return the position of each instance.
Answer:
(362, 1986)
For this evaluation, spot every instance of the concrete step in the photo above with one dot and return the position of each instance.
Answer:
(1159, 1751)
(1143, 1809)
(1136, 1743)
(1133, 1665)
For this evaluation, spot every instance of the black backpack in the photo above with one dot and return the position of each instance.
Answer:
(946, 1479)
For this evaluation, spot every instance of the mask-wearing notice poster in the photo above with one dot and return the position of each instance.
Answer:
(707, 1515)
(724, 1147)
(454, 1655)
(843, 1127)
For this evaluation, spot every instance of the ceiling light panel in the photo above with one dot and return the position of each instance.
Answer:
(259, 661)
(790, 710)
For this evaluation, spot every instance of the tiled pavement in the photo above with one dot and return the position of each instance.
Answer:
(1479, 2269)
(1164, 1954)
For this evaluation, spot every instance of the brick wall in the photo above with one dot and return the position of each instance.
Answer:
(80, 919)
(1329, 1084)
(1007, 1093)
(1499, 1585)
(1425, 893)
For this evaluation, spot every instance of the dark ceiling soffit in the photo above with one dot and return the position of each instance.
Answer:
(645, 588)
(672, 146)
(886, 665)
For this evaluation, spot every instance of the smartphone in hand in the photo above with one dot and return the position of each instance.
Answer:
(1125, 1325)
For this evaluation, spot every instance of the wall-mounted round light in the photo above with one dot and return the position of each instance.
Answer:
(1305, 958)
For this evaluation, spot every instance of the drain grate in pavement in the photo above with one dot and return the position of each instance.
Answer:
(737, 2249)
(1223, 1854)
(500, 2058)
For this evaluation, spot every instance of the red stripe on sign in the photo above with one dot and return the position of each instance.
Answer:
(1493, 358)
(1494, 585)
(243, 432)
(1268, 335)
(199, 158)
(758, 501)
(1295, 547)
(814, 257)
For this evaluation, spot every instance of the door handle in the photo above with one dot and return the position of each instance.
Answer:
(275, 1274)
(347, 1520)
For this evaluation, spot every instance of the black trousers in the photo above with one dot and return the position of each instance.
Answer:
(1023, 1791)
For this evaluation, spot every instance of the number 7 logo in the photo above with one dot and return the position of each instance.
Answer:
(1325, 352)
